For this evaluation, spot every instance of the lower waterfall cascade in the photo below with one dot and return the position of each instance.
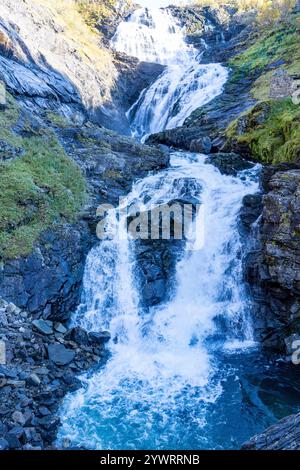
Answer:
(180, 375)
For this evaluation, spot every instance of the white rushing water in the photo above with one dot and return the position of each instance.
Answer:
(186, 84)
(163, 375)
(161, 362)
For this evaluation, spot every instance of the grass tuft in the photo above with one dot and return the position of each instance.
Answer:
(39, 189)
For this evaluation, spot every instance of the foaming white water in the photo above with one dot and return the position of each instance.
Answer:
(175, 95)
(151, 35)
(157, 389)
(186, 84)
(162, 364)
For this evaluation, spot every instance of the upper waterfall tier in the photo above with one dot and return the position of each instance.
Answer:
(151, 35)
(186, 84)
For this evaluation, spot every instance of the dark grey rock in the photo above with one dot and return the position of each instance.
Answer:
(51, 275)
(285, 435)
(202, 145)
(44, 411)
(43, 326)
(4, 444)
(34, 380)
(78, 335)
(250, 212)
(272, 267)
(3, 429)
(99, 338)
(60, 328)
(19, 418)
(9, 152)
(229, 163)
(60, 355)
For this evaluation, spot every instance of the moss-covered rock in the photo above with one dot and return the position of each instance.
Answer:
(39, 185)
(269, 132)
(271, 49)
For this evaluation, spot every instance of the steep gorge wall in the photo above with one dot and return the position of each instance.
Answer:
(50, 55)
(56, 164)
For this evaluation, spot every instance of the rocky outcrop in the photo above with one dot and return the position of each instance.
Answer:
(134, 77)
(40, 361)
(65, 67)
(217, 27)
(47, 283)
(110, 162)
(229, 163)
(163, 242)
(284, 435)
(272, 267)
(52, 65)
(156, 266)
(211, 120)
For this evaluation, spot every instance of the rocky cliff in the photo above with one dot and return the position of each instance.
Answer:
(285, 435)
(272, 267)
(53, 60)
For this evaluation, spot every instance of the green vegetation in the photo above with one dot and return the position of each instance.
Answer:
(280, 44)
(99, 11)
(266, 12)
(96, 11)
(57, 120)
(270, 130)
(74, 30)
(41, 188)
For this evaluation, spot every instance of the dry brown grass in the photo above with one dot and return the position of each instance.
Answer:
(86, 40)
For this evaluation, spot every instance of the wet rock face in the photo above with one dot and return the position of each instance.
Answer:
(156, 265)
(273, 266)
(285, 435)
(250, 212)
(134, 77)
(48, 282)
(215, 26)
(156, 259)
(229, 163)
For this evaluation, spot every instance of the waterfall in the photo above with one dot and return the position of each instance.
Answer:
(156, 389)
(185, 85)
(165, 385)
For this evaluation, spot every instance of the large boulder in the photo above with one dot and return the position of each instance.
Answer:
(47, 283)
(60, 355)
(284, 435)
(229, 163)
(156, 259)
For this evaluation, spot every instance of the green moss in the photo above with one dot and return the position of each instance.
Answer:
(99, 11)
(112, 174)
(279, 44)
(57, 120)
(8, 118)
(40, 189)
(270, 130)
